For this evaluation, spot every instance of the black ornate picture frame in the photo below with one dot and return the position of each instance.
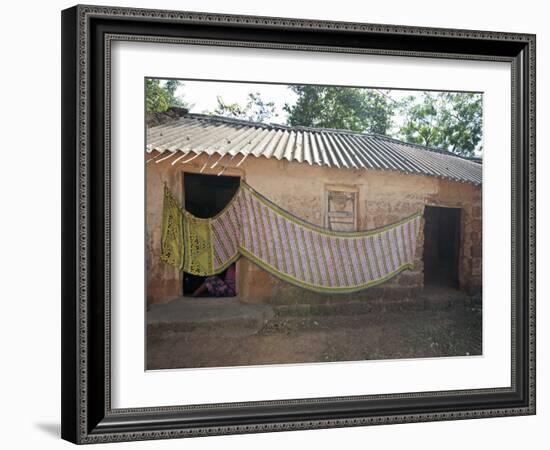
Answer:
(87, 35)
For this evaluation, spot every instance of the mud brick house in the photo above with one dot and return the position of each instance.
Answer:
(337, 179)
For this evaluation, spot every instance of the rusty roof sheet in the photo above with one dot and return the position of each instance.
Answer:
(213, 135)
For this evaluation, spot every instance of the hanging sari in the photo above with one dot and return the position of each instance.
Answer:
(286, 246)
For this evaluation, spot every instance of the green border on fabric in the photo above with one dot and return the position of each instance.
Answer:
(312, 227)
(319, 289)
(172, 248)
(199, 254)
(296, 220)
(226, 264)
(205, 224)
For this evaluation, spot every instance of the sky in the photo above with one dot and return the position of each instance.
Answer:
(201, 95)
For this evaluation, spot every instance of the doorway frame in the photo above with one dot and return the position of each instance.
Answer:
(230, 172)
(461, 230)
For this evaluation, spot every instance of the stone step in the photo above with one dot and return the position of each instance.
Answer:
(420, 303)
(207, 315)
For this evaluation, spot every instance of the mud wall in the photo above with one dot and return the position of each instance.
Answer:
(382, 198)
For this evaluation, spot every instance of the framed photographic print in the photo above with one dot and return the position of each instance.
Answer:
(276, 224)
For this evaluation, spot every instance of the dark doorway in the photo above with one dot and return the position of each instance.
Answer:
(205, 196)
(441, 246)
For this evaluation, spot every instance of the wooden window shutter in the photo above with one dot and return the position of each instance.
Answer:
(341, 209)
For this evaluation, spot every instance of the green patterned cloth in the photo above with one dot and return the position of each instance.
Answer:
(290, 248)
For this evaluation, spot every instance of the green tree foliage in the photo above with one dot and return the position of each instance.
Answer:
(159, 95)
(346, 108)
(445, 120)
(255, 109)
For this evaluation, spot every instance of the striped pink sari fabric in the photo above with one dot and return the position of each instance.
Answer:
(307, 255)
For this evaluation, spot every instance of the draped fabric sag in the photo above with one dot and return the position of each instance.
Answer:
(292, 249)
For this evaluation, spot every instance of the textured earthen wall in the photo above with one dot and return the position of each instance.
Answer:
(383, 198)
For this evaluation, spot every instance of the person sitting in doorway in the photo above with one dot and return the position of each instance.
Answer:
(220, 285)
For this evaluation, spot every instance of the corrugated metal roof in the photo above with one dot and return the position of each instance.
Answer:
(198, 133)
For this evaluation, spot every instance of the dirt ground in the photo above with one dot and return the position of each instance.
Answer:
(449, 331)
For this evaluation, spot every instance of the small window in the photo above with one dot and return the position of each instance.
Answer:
(341, 208)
